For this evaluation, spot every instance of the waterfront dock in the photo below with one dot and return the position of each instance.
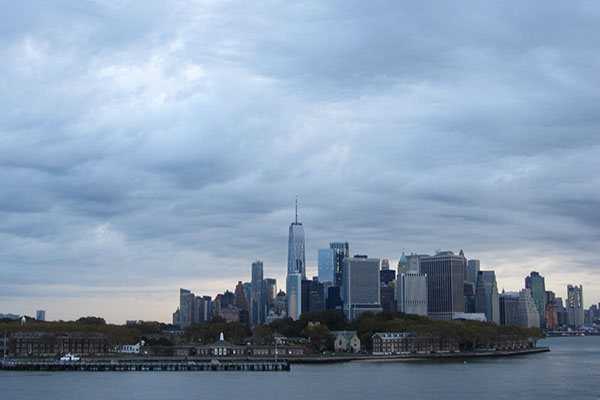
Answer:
(111, 365)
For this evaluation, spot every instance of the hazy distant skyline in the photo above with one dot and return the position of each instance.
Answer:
(150, 146)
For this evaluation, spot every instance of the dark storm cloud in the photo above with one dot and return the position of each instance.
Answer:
(162, 146)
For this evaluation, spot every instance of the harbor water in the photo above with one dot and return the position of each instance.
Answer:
(570, 369)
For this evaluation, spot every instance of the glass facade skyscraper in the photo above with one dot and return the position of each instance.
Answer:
(536, 283)
(445, 285)
(296, 267)
(486, 293)
(258, 295)
(342, 250)
(327, 265)
(296, 254)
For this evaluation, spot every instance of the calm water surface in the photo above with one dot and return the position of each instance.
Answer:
(570, 370)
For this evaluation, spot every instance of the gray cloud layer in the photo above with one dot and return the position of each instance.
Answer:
(145, 147)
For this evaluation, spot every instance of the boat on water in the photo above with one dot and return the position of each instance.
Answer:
(69, 358)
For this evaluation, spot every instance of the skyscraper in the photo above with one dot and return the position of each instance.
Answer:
(296, 254)
(296, 267)
(342, 251)
(575, 306)
(486, 296)
(445, 285)
(529, 316)
(294, 295)
(327, 266)
(535, 283)
(411, 289)
(509, 308)
(403, 264)
(361, 286)
(258, 298)
(472, 270)
(186, 308)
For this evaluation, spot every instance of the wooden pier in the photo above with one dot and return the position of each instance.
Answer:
(112, 365)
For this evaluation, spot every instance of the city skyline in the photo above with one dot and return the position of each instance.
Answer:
(150, 147)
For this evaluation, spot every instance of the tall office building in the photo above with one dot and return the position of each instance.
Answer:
(472, 270)
(240, 299)
(326, 265)
(257, 312)
(561, 312)
(575, 306)
(551, 311)
(186, 308)
(470, 299)
(296, 254)
(529, 316)
(403, 264)
(486, 296)
(361, 286)
(296, 267)
(445, 285)
(509, 308)
(271, 292)
(294, 295)
(411, 293)
(40, 315)
(342, 251)
(385, 264)
(313, 296)
(535, 283)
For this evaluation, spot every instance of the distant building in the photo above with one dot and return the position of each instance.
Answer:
(551, 311)
(346, 341)
(385, 265)
(470, 299)
(561, 312)
(509, 308)
(410, 263)
(445, 285)
(411, 293)
(342, 251)
(240, 298)
(271, 285)
(296, 267)
(326, 265)
(486, 294)
(45, 344)
(40, 315)
(258, 303)
(386, 276)
(186, 308)
(529, 316)
(575, 306)
(296, 253)
(333, 300)
(535, 283)
(387, 343)
(403, 264)
(294, 295)
(313, 296)
(386, 297)
(361, 286)
(472, 270)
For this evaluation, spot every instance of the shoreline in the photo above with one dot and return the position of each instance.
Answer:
(296, 360)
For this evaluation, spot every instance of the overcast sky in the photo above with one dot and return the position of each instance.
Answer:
(150, 146)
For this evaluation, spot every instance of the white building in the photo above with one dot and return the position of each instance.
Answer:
(529, 316)
(411, 293)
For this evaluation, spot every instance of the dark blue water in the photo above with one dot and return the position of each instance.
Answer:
(570, 370)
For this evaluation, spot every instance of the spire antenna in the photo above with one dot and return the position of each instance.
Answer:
(296, 208)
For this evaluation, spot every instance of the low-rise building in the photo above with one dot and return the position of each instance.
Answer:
(44, 344)
(346, 341)
(387, 343)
